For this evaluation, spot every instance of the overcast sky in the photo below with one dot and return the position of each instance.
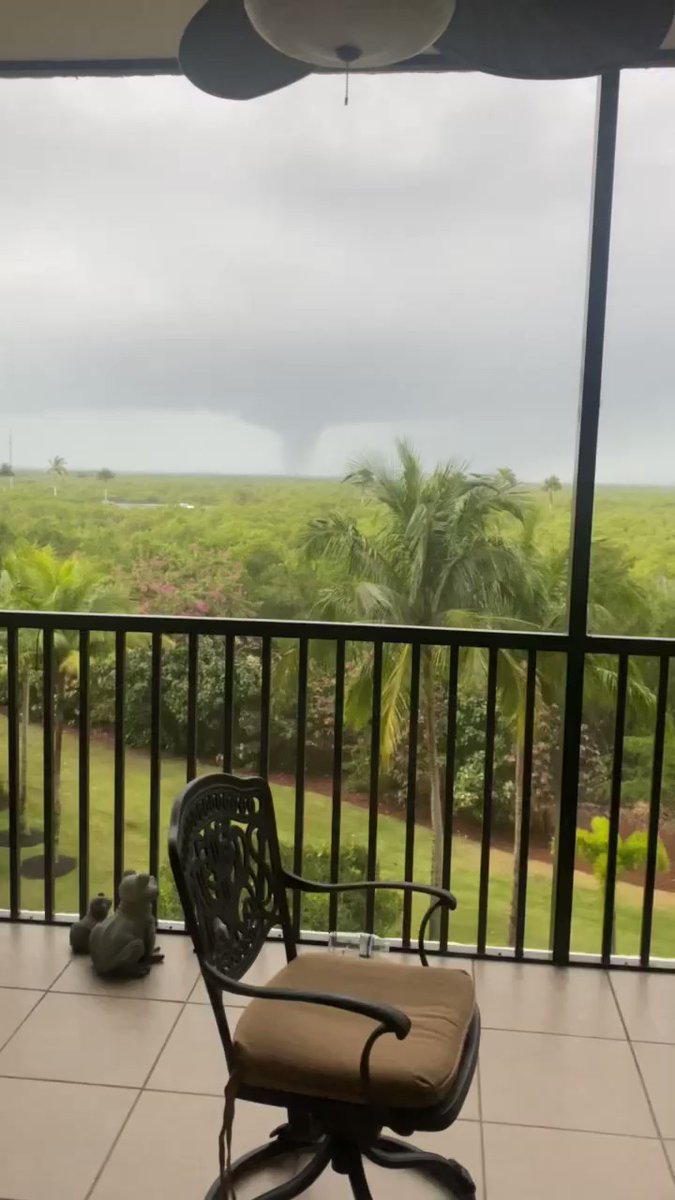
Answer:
(190, 284)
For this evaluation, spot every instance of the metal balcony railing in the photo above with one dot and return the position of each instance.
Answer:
(299, 643)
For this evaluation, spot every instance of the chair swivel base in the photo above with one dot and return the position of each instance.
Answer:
(346, 1158)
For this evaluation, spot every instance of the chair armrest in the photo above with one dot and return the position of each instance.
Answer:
(439, 895)
(391, 1019)
(310, 885)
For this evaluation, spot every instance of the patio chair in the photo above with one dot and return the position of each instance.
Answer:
(347, 1046)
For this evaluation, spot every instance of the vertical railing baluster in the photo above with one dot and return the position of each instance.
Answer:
(654, 814)
(449, 797)
(265, 697)
(155, 752)
(83, 748)
(13, 778)
(488, 781)
(374, 789)
(614, 812)
(48, 768)
(336, 810)
(300, 744)
(119, 762)
(228, 714)
(522, 850)
(193, 686)
(411, 788)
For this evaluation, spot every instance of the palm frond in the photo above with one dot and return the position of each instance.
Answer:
(395, 698)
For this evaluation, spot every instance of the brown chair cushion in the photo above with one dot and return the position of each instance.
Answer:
(301, 1048)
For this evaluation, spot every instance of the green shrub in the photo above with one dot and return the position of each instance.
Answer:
(631, 852)
(316, 865)
(351, 905)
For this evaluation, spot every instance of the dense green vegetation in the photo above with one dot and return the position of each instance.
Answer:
(398, 545)
(246, 532)
(254, 528)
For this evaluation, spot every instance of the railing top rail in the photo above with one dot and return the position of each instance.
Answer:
(619, 644)
(519, 639)
(502, 639)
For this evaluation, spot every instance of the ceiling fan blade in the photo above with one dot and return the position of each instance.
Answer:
(555, 39)
(221, 53)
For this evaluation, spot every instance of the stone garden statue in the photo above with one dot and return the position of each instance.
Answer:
(123, 945)
(80, 932)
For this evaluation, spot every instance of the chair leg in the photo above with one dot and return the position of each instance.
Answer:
(263, 1155)
(357, 1179)
(346, 1160)
(393, 1154)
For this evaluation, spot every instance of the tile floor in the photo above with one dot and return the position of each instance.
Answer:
(115, 1091)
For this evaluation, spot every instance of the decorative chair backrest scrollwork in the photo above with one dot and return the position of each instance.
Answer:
(224, 853)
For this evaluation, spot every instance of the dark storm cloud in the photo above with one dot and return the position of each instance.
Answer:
(421, 255)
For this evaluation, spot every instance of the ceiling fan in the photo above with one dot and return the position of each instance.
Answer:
(242, 49)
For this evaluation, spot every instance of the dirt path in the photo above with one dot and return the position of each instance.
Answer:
(540, 851)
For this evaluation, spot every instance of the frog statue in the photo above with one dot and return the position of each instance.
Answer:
(80, 932)
(124, 944)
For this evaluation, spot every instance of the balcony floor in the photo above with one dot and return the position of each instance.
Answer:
(117, 1091)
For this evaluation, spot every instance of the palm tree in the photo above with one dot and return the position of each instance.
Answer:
(437, 556)
(37, 579)
(57, 468)
(551, 485)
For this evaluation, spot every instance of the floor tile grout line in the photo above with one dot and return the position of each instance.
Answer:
(146, 1087)
(664, 1148)
(22, 1022)
(115, 1087)
(217, 1096)
(633, 1137)
(155, 1091)
(56, 978)
(10, 987)
(134, 1104)
(640, 1041)
(120, 1131)
(586, 1037)
(617, 1005)
(33, 1009)
(205, 1004)
(113, 995)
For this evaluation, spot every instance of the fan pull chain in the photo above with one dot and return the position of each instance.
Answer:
(347, 86)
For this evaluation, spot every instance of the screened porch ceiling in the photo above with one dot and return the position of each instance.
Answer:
(45, 36)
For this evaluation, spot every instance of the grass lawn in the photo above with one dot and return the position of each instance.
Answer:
(391, 835)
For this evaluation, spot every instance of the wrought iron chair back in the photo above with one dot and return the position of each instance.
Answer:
(224, 853)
